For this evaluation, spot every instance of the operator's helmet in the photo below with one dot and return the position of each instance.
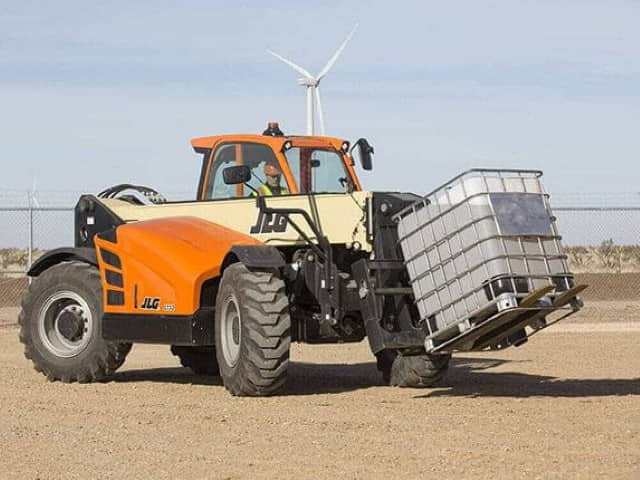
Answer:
(271, 170)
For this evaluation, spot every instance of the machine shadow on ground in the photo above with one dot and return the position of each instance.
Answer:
(303, 378)
(467, 377)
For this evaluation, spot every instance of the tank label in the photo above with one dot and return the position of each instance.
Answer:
(521, 214)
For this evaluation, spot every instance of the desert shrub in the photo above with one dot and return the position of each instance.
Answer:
(605, 258)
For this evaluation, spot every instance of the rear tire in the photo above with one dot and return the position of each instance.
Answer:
(61, 325)
(201, 360)
(252, 331)
(414, 371)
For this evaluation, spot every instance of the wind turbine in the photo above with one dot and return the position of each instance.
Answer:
(312, 83)
(33, 200)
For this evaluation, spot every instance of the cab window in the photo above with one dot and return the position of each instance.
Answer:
(254, 155)
(318, 170)
(225, 156)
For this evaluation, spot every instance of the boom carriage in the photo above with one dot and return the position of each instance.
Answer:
(229, 280)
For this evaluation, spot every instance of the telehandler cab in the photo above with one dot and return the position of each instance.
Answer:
(231, 279)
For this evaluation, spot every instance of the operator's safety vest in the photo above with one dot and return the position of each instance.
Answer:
(269, 191)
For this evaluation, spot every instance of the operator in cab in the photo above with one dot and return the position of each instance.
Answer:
(272, 187)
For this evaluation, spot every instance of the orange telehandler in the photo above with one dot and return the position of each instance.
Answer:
(231, 279)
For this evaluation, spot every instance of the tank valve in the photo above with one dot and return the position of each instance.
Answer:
(506, 301)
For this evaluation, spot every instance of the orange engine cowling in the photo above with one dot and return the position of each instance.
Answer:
(159, 266)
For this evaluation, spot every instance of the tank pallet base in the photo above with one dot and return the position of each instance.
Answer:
(530, 312)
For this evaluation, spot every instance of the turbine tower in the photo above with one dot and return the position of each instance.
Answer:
(312, 83)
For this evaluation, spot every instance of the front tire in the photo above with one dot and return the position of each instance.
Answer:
(413, 371)
(252, 331)
(61, 325)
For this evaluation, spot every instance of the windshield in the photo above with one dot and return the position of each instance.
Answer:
(318, 170)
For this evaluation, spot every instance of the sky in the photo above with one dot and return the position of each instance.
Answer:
(98, 93)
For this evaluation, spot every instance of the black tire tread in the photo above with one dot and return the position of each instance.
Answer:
(418, 371)
(106, 357)
(201, 360)
(266, 338)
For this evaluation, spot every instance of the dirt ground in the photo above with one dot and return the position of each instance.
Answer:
(565, 405)
(610, 286)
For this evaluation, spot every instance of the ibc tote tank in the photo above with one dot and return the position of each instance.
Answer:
(478, 243)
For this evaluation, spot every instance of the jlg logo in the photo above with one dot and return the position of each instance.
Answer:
(268, 223)
(150, 303)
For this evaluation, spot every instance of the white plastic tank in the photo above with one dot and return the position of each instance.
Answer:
(484, 233)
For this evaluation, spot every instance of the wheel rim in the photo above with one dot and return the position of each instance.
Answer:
(65, 324)
(230, 329)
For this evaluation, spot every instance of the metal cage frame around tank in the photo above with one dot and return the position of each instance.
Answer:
(486, 295)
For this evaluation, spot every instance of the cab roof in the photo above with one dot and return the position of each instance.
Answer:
(203, 144)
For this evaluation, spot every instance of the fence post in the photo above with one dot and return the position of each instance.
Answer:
(30, 249)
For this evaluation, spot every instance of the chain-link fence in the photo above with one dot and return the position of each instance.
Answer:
(603, 249)
(602, 244)
(591, 226)
(25, 234)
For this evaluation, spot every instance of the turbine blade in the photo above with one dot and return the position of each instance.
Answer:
(297, 68)
(335, 56)
(320, 116)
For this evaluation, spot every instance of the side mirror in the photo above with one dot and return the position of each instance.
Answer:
(237, 174)
(365, 152)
